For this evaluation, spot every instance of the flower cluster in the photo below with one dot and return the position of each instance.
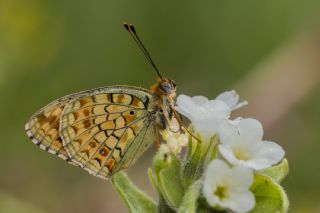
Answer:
(240, 145)
(227, 166)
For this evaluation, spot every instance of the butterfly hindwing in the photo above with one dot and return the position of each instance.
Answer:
(43, 127)
(108, 130)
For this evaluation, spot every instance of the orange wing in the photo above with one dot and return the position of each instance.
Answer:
(43, 126)
(102, 130)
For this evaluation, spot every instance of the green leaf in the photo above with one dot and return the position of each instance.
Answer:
(163, 207)
(162, 159)
(278, 172)
(171, 187)
(193, 168)
(195, 160)
(189, 201)
(270, 196)
(153, 179)
(136, 200)
(166, 177)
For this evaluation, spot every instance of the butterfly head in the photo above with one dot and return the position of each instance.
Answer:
(168, 86)
(165, 87)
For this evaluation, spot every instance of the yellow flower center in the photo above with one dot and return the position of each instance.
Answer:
(241, 155)
(222, 192)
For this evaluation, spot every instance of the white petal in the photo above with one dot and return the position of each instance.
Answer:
(240, 201)
(198, 108)
(231, 98)
(205, 115)
(216, 108)
(199, 100)
(228, 132)
(217, 171)
(208, 188)
(207, 128)
(236, 121)
(186, 106)
(243, 177)
(261, 154)
(227, 153)
(237, 181)
(238, 153)
(267, 154)
(240, 105)
(250, 129)
(211, 199)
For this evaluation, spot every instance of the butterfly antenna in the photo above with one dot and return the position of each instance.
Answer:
(130, 28)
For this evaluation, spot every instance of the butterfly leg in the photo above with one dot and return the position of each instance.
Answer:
(156, 139)
(179, 119)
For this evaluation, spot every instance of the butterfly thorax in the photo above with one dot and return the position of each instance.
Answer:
(165, 91)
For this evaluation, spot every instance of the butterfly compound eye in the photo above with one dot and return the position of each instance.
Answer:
(168, 87)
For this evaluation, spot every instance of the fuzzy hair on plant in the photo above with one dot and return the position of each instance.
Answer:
(229, 167)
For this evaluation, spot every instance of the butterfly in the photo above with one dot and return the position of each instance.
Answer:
(105, 130)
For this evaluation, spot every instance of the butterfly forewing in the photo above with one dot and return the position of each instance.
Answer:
(107, 130)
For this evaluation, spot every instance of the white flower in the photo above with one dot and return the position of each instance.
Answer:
(174, 140)
(207, 115)
(228, 188)
(242, 144)
(231, 98)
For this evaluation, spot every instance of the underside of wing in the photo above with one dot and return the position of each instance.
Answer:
(43, 127)
(107, 130)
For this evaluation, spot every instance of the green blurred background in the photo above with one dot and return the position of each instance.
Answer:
(268, 50)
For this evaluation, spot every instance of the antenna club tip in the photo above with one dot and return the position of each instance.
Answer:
(126, 25)
(132, 28)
